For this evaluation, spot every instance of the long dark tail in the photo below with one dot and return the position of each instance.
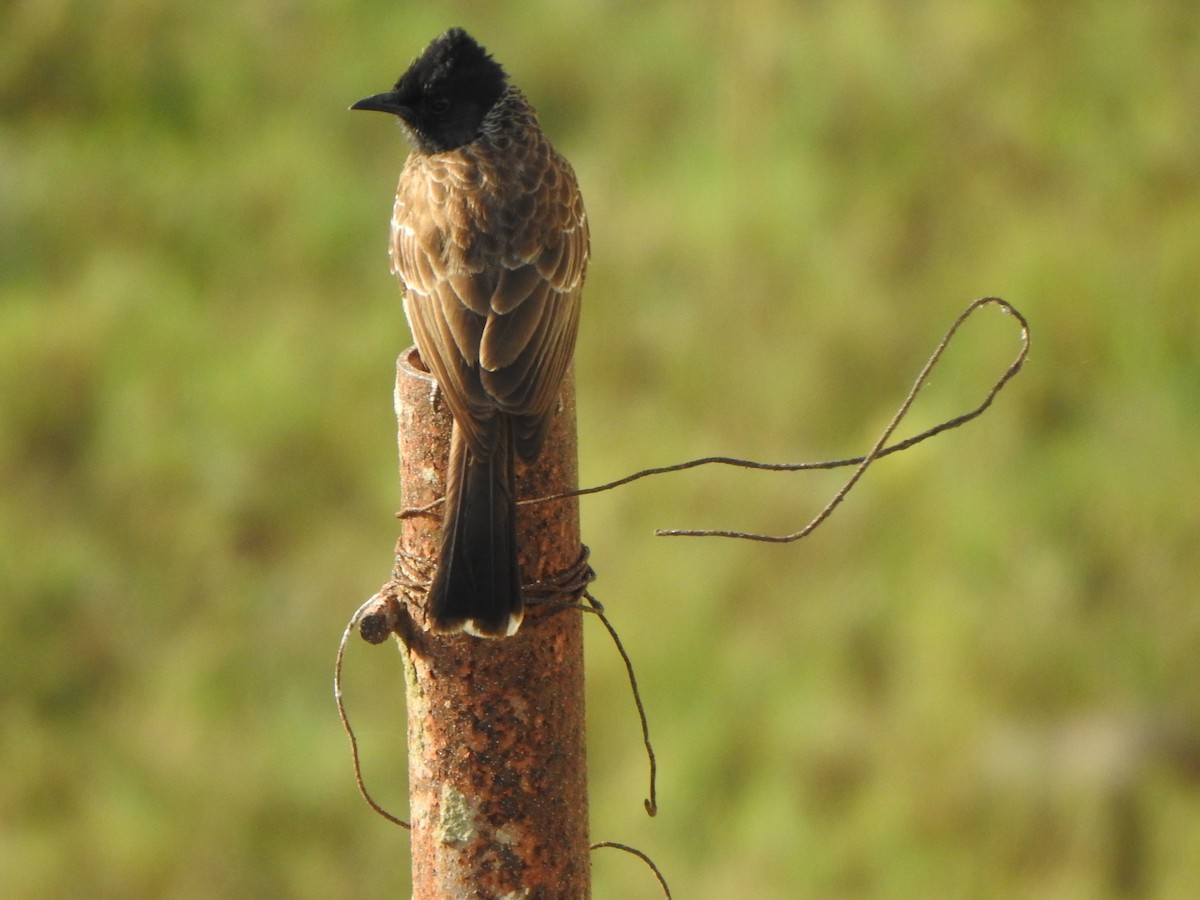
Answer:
(477, 587)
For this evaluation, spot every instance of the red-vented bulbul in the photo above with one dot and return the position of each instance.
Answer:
(490, 240)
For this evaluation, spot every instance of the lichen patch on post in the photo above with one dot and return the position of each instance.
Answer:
(456, 817)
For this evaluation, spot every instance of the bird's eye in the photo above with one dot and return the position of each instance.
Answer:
(439, 105)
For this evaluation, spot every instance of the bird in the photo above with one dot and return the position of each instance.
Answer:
(490, 240)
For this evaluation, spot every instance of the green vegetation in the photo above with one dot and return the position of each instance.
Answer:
(980, 679)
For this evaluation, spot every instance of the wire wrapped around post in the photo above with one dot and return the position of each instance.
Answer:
(496, 750)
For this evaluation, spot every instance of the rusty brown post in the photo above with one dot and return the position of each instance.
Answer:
(496, 758)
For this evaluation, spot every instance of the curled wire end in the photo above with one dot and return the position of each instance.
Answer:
(881, 448)
(634, 851)
(341, 709)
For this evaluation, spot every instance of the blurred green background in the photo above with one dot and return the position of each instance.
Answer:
(981, 678)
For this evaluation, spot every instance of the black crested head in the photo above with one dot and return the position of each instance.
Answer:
(445, 94)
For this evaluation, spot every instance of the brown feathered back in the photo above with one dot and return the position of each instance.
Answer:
(491, 242)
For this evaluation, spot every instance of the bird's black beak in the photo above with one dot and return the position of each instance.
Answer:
(388, 103)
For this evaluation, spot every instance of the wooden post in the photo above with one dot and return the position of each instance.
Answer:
(496, 755)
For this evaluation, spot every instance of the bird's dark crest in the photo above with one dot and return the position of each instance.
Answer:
(447, 91)
(453, 59)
